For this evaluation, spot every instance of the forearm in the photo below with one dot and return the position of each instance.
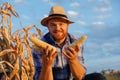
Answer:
(77, 69)
(46, 74)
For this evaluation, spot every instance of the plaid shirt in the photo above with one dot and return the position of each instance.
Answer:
(61, 69)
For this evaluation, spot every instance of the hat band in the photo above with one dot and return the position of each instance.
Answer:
(61, 15)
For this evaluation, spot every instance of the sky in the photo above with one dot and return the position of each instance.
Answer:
(98, 19)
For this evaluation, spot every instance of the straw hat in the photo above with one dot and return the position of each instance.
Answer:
(56, 12)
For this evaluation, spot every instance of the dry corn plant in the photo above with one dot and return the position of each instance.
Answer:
(16, 61)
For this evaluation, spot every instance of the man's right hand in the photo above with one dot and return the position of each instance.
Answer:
(48, 57)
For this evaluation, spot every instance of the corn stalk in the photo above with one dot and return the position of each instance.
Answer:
(16, 61)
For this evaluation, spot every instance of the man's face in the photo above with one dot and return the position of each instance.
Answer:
(58, 28)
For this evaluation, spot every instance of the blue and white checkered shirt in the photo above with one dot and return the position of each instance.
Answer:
(61, 69)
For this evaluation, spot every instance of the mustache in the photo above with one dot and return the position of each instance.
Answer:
(57, 31)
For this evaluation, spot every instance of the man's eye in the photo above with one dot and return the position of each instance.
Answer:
(61, 24)
(52, 24)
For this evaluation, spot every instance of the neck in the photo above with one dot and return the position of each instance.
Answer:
(60, 42)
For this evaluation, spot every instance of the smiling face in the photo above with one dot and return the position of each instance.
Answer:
(58, 28)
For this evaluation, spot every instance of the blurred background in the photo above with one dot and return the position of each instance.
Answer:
(98, 19)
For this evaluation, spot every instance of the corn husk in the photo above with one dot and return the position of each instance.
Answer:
(41, 44)
(79, 41)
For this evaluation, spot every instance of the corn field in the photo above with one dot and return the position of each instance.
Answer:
(14, 46)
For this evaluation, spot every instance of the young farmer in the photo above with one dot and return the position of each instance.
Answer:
(66, 62)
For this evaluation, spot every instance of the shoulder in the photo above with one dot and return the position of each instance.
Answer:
(71, 37)
(45, 37)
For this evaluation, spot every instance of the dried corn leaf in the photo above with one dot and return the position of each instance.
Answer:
(1, 62)
(15, 70)
(4, 71)
(6, 51)
(24, 75)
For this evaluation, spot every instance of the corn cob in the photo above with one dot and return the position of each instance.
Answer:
(79, 41)
(41, 43)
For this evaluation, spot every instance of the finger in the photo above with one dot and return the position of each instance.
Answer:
(65, 47)
(53, 53)
(72, 50)
(50, 52)
(46, 51)
(47, 58)
(65, 54)
(69, 53)
(43, 51)
(77, 47)
(43, 57)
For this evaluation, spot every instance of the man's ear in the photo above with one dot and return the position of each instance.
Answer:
(68, 24)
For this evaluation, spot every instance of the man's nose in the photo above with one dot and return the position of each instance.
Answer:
(58, 27)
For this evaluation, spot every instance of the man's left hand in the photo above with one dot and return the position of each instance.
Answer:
(70, 52)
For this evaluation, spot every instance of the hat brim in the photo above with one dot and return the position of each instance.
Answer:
(44, 21)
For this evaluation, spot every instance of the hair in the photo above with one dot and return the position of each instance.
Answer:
(94, 76)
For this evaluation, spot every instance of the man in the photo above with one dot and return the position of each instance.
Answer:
(66, 62)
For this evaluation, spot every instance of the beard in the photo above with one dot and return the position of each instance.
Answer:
(58, 35)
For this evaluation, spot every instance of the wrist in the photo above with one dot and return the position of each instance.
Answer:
(73, 60)
(46, 67)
